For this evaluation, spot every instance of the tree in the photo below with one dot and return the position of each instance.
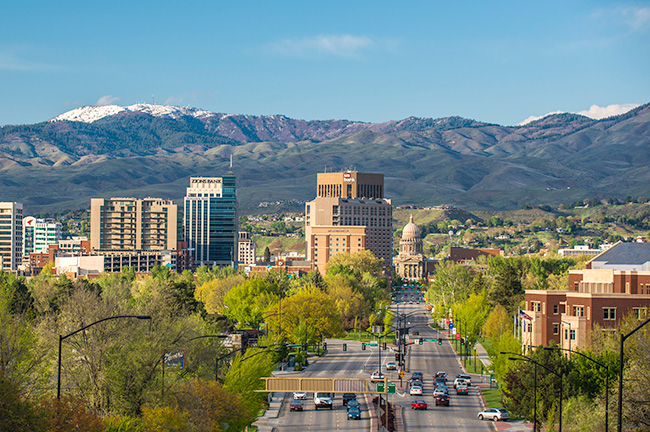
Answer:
(362, 262)
(308, 306)
(472, 315)
(267, 255)
(451, 285)
(497, 323)
(213, 292)
(506, 288)
(247, 302)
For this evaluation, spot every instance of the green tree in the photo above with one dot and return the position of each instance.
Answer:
(267, 255)
(247, 302)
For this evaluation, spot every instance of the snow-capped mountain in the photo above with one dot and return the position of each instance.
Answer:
(90, 114)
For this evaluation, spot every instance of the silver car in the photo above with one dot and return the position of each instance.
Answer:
(494, 414)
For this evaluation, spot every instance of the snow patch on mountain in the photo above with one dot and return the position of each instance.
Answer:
(90, 114)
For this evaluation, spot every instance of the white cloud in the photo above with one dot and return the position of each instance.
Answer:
(594, 112)
(597, 112)
(344, 45)
(107, 100)
(533, 118)
(637, 18)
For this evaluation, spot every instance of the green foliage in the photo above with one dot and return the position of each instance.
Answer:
(247, 302)
(16, 413)
(451, 285)
(506, 288)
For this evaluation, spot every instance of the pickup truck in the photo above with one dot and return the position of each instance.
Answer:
(323, 400)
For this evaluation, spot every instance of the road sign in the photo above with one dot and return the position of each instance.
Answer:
(430, 339)
(380, 387)
(447, 321)
(401, 374)
(458, 336)
(373, 343)
(391, 388)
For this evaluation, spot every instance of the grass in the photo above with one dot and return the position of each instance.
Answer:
(492, 397)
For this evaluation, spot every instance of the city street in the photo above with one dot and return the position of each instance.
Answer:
(428, 358)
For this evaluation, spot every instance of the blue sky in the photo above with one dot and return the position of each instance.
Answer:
(370, 61)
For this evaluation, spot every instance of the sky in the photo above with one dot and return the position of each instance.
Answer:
(499, 62)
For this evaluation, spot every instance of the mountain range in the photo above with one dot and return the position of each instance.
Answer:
(152, 150)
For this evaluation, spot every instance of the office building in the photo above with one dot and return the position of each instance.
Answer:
(130, 224)
(210, 220)
(613, 284)
(350, 184)
(11, 235)
(38, 234)
(246, 248)
(344, 219)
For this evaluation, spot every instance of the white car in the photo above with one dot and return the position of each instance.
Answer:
(465, 377)
(416, 390)
(377, 376)
(299, 396)
(391, 365)
(440, 391)
(494, 414)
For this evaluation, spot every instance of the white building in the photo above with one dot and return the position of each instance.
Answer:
(38, 234)
(246, 248)
(11, 235)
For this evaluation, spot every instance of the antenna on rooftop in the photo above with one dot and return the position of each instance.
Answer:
(230, 160)
(153, 100)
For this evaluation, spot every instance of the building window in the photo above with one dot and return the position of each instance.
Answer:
(537, 306)
(579, 311)
(556, 309)
(573, 334)
(556, 329)
(530, 327)
(609, 313)
(640, 313)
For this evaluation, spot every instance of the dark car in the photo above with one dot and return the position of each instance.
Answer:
(353, 403)
(348, 397)
(442, 400)
(354, 413)
(295, 406)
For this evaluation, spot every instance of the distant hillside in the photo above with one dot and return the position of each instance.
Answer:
(151, 150)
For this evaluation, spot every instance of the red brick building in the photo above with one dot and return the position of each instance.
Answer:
(614, 284)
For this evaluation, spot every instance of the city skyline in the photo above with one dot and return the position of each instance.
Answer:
(364, 61)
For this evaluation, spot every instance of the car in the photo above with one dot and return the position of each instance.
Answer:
(459, 381)
(442, 400)
(348, 397)
(415, 381)
(377, 376)
(299, 396)
(354, 414)
(391, 365)
(442, 375)
(295, 406)
(353, 403)
(494, 414)
(416, 390)
(418, 404)
(416, 333)
(440, 381)
(466, 377)
(417, 374)
(440, 391)
(462, 389)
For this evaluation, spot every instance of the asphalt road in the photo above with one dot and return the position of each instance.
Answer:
(357, 363)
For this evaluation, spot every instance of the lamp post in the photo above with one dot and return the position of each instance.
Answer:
(620, 373)
(606, 380)
(62, 338)
(216, 363)
(525, 358)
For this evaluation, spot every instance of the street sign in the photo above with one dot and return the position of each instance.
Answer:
(380, 387)
(401, 374)
(458, 336)
(447, 321)
(373, 343)
(391, 388)
(430, 339)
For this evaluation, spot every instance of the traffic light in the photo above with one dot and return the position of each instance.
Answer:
(439, 341)
(345, 347)
(384, 346)
(324, 346)
(396, 356)
(363, 346)
(462, 341)
(420, 341)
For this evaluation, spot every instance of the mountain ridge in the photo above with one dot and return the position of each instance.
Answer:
(451, 160)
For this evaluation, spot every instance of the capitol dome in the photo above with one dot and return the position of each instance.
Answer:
(410, 231)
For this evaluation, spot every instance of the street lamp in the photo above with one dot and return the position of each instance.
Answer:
(606, 379)
(525, 358)
(620, 373)
(61, 338)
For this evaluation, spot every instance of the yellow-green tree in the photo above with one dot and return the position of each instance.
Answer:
(362, 262)
(213, 292)
(308, 306)
(497, 323)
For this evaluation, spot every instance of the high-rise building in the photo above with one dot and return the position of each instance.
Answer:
(246, 248)
(38, 234)
(344, 219)
(130, 224)
(350, 184)
(11, 235)
(211, 225)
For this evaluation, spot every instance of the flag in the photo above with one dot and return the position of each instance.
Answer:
(226, 306)
(524, 315)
